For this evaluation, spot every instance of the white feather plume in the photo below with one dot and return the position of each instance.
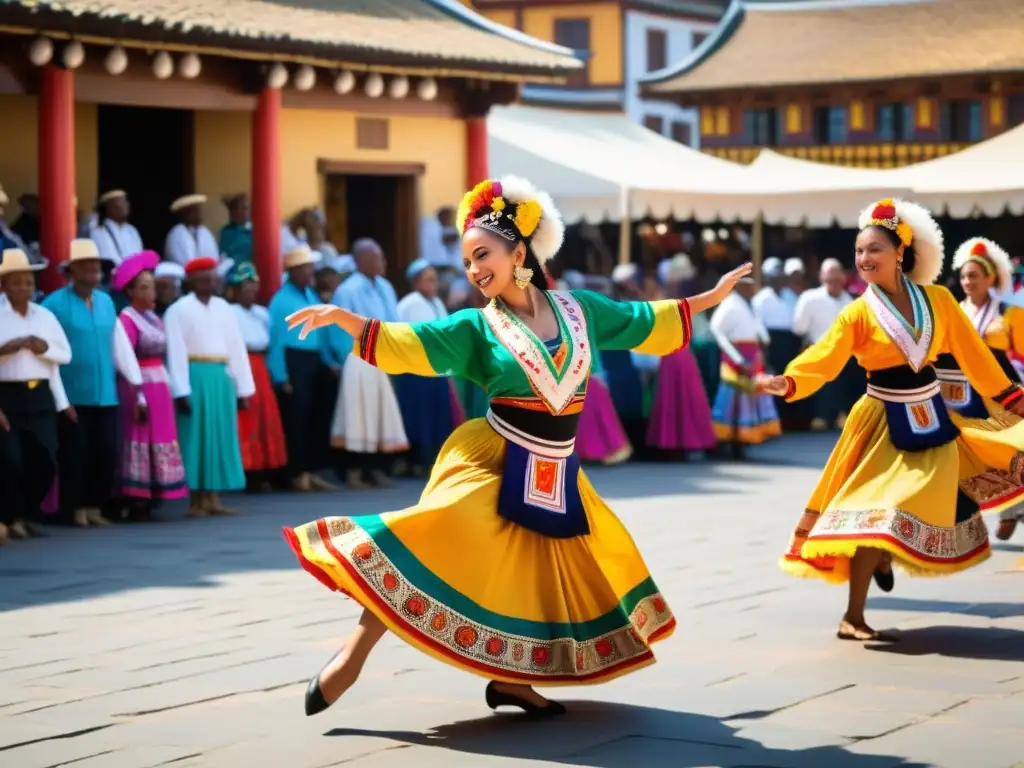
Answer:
(927, 241)
(995, 254)
(547, 239)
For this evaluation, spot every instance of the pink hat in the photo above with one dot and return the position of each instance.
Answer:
(134, 265)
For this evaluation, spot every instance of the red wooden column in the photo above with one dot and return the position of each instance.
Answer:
(476, 151)
(266, 189)
(56, 170)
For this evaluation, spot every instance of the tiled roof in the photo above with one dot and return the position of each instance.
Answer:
(797, 42)
(427, 32)
(709, 9)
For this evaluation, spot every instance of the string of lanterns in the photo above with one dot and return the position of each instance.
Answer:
(189, 66)
(345, 82)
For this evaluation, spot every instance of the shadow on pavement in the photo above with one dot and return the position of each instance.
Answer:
(603, 735)
(980, 643)
(985, 610)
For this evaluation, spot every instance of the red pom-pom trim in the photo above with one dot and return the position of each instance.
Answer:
(884, 212)
(979, 249)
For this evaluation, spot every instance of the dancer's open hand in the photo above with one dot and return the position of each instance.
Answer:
(728, 281)
(772, 385)
(313, 318)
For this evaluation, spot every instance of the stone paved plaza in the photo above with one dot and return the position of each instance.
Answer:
(190, 643)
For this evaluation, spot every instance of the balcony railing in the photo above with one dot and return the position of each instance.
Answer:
(856, 155)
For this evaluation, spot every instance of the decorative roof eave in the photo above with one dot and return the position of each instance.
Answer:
(100, 30)
(658, 82)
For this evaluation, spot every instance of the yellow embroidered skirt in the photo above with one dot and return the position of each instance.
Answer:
(459, 582)
(994, 490)
(873, 495)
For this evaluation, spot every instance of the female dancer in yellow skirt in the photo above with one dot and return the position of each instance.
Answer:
(984, 267)
(891, 486)
(510, 566)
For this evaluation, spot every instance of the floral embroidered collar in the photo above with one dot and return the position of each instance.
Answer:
(554, 378)
(914, 341)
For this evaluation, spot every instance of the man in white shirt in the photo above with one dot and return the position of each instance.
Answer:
(210, 379)
(776, 314)
(190, 239)
(32, 346)
(115, 238)
(816, 311)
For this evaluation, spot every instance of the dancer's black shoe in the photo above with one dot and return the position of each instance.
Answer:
(885, 580)
(496, 698)
(315, 701)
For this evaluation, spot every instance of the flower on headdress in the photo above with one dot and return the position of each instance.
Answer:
(979, 249)
(498, 204)
(905, 233)
(479, 197)
(527, 217)
(884, 209)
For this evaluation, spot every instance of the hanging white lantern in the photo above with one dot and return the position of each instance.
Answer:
(163, 65)
(116, 62)
(398, 88)
(277, 77)
(427, 89)
(374, 86)
(74, 55)
(40, 52)
(344, 83)
(190, 66)
(305, 78)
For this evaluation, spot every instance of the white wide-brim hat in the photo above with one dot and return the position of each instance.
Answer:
(83, 249)
(299, 256)
(16, 260)
(187, 201)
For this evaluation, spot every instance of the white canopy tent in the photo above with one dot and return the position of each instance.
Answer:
(594, 164)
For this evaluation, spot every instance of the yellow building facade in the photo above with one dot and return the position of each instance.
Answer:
(223, 158)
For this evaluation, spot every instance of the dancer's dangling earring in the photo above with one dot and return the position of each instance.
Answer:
(522, 276)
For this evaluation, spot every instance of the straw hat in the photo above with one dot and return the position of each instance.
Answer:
(113, 194)
(16, 260)
(299, 256)
(187, 201)
(83, 249)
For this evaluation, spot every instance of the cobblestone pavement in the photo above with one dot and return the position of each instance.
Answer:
(189, 644)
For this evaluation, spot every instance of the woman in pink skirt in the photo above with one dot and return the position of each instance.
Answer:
(600, 436)
(681, 413)
(150, 469)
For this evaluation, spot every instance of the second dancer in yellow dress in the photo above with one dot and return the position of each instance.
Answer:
(890, 489)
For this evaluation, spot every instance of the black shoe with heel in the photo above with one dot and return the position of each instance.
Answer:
(315, 701)
(885, 580)
(496, 698)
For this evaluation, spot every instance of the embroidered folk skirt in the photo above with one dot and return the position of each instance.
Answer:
(454, 579)
(430, 413)
(681, 415)
(260, 434)
(600, 436)
(907, 503)
(741, 415)
(367, 418)
(995, 490)
(209, 435)
(151, 465)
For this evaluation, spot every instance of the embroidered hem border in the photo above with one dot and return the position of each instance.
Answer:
(450, 636)
(820, 539)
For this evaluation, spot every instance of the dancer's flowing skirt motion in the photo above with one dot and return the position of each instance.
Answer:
(453, 578)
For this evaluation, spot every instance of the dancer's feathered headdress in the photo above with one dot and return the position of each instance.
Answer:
(914, 226)
(990, 257)
(513, 209)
